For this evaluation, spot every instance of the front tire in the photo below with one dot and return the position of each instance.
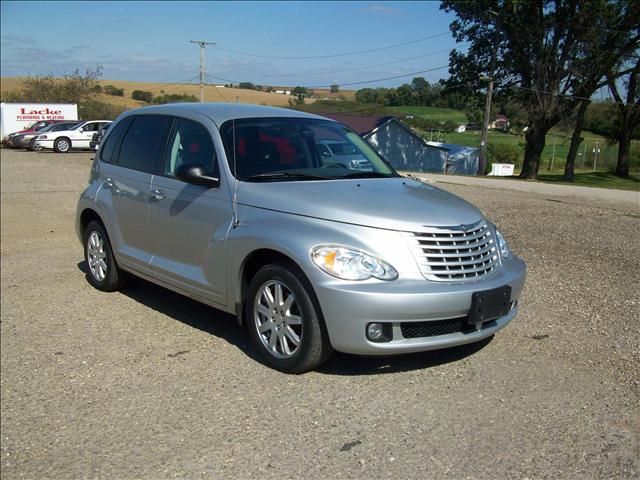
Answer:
(103, 273)
(62, 145)
(32, 146)
(284, 325)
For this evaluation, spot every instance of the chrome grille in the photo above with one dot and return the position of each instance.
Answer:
(452, 254)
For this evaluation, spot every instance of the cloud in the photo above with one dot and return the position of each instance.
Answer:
(16, 40)
(380, 9)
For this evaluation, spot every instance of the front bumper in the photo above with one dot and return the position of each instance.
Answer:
(44, 144)
(349, 306)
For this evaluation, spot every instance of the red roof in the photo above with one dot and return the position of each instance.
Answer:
(361, 124)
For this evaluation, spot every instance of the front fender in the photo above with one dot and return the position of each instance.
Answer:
(295, 235)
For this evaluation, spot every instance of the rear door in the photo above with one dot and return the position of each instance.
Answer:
(189, 223)
(126, 174)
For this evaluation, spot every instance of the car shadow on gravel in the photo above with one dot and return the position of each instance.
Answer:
(190, 312)
(224, 325)
(343, 364)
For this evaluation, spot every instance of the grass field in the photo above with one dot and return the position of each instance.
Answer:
(606, 157)
(594, 179)
(434, 113)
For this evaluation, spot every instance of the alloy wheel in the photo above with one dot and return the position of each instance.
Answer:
(278, 319)
(97, 256)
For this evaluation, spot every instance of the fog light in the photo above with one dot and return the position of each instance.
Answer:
(374, 331)
(379, 332)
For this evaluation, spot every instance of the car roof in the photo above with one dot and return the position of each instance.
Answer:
(221, 112)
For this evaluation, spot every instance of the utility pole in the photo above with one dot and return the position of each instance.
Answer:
(485, 125)
(202, 45)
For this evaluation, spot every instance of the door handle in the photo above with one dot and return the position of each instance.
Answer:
(157, 194)
(108, 182)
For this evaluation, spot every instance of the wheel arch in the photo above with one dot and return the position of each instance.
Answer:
(257, 259)
(88, 215)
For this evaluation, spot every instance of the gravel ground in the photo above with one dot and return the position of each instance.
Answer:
(148, 384)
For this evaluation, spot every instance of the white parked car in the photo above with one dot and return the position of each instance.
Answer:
(77, 137)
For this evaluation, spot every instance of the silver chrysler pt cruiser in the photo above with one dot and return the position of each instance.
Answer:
(244, 208)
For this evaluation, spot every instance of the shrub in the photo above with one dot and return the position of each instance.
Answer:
(114, 91)
(142, 95)
(175, 98)
(95, 110)
(504, 153)
(335, 88)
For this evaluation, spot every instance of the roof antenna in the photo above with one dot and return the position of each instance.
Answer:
(234, 203)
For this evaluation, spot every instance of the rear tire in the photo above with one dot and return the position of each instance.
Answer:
(284, 325)
(62, 145)
(103, 273)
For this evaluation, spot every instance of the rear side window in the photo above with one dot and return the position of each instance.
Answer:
(144, 142)
(190, 143)
(112, 143)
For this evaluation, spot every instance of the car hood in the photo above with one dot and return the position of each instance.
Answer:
(20, 132)
(390, 203)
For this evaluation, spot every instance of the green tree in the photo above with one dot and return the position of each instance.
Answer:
(405, 94)
(297, 91)
(538, 53)
(630, 115)
(335, 88)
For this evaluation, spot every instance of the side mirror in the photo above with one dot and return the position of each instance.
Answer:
(194, 173)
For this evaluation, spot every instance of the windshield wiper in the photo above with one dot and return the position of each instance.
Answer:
(367, 175)
(285, 175)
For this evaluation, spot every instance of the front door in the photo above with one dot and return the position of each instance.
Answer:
(84, 134)
(189, 223)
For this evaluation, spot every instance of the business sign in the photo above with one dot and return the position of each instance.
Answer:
(18, 116)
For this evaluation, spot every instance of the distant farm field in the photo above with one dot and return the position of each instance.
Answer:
(211, 92)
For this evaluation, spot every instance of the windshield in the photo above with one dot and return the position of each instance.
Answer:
(63, 126)
(295, 149)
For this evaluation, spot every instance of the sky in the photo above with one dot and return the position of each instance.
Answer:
(149, 41)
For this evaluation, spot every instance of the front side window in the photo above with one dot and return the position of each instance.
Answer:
(190, 143)
(144, 142)
(262, 149)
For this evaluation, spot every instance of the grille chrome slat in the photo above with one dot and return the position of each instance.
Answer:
(454, 255)
(478, 261)
(446, 236)
(450, 254)
(455, 245)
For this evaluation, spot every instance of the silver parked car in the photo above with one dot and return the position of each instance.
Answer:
(234, 206)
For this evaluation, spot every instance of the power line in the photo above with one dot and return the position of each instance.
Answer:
(360, 68)
(334, 55)
(161, 86)
(352, 83)
(216, 88)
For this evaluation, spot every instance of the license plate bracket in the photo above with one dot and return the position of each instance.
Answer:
(488, 305)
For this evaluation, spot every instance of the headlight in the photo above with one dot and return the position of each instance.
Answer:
(41, 137)
(351, 264)
(505, 251)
